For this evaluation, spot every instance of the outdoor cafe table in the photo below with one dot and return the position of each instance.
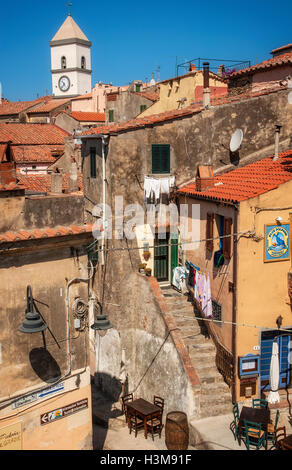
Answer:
(144, 409)
(256, 415)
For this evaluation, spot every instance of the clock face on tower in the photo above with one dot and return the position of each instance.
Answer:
(64, 83)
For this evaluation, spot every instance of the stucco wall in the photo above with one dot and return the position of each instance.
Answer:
(39, 212)
(152, 363)
(30, 362)
(204, 259)
(255, 275)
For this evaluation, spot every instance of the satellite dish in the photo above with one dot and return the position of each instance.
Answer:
(236, 139)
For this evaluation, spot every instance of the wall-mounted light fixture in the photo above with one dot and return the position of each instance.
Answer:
(33, 322)
(102, 323)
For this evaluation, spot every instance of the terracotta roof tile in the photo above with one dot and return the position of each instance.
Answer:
(36, 153)
(44, 233)
(246, 182)
(49, 106)
(32, 134)
(87, 116)
(277, 61)
(15, 107)
(149, 95)
(42, 183)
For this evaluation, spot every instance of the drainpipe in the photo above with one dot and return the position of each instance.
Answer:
(104, 143)
(206, 89)
(234, 305)
(277, 135)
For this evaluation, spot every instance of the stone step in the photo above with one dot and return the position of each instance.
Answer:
(215, 410)
(207, 377)
(199, 348)
(205, 366)
(216, 400)
(213, 388)
(198, 339)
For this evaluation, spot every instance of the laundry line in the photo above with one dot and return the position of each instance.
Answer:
(248, 232)
(229, 322)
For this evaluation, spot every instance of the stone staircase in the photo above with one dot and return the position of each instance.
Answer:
(215, 393)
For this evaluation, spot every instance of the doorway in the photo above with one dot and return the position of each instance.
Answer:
(161, 258)
(283, 340)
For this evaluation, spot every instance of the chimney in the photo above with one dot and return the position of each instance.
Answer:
(206, 89)
(277, 135)
(73, 177)
(204, 178)
(56, 183)
(7, 165)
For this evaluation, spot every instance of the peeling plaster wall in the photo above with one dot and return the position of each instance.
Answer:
(152, 364)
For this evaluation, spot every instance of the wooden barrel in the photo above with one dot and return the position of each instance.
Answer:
(176, 431)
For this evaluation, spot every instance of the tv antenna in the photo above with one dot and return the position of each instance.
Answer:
(69, 6)
(236, 140)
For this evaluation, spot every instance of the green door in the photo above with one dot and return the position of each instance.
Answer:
(161, 259)
(173, 255)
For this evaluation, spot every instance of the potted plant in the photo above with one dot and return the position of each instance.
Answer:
(141, 268)
(146, 255)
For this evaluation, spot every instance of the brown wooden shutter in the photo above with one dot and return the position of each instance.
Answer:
(227, 239)
(209, 231)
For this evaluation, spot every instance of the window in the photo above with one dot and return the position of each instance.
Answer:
(138, 88)
(83, 62)
(217, 312)
(142, 108)
(92, 162)
(111, 115)
(160, 158)
(209, 232)
(63, 62)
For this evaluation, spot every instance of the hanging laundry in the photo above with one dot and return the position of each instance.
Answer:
(209, 308)
(154, 188)
(179, 274)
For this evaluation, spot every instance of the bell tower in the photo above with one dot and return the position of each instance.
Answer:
(70, 61)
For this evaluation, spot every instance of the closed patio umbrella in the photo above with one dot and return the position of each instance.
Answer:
(274, 396)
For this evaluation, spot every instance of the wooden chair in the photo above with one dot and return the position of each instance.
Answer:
(126, 399)
(158, 401)
(254, 435)
(234, 424)
(280, 434)
(154, 425)
(259, 403)
(135, 423)
(272, 427)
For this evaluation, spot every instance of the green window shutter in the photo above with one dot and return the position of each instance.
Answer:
(160, 159)
(138, 88)
(142, 108)
(111, 115)
(165, 160)
(155, 159)
(92, 162)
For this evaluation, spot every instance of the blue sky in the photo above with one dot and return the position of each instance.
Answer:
(132, 39)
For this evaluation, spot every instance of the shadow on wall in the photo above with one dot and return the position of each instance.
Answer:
(44, 365)
(105, 393)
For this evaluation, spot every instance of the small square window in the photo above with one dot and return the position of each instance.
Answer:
(217, 312)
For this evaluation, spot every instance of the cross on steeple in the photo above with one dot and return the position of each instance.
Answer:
(69, 6)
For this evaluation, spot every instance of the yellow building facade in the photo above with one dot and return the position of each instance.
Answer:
(251, 207)
(183, 91)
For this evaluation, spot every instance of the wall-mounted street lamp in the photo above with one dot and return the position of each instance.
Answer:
(33, 322)
(102, 323)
